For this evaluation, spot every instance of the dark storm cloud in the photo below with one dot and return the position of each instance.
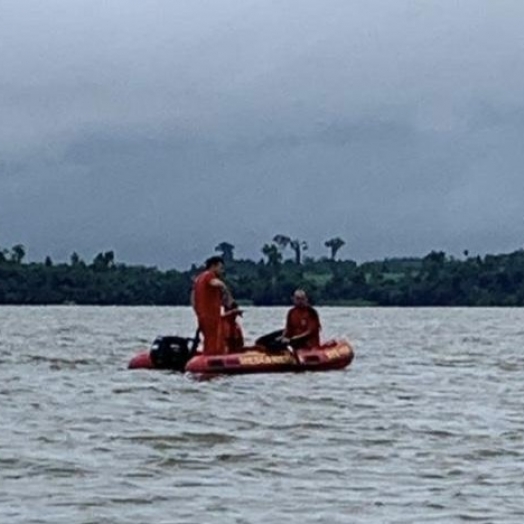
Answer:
(162, 128)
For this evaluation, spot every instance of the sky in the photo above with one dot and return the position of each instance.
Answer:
(160, 128)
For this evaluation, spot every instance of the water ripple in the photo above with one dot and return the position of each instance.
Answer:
(426, 425)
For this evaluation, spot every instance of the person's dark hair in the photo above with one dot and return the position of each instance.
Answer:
(213, 261)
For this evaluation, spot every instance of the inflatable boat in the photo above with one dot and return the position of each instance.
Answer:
(331, 355)
(174, 353)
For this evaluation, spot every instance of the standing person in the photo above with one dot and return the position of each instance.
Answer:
(302, 323)
(231, 330)
(206, 299)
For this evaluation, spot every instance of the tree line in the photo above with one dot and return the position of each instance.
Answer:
(436, 279)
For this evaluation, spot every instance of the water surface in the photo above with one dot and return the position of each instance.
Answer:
(427, 424)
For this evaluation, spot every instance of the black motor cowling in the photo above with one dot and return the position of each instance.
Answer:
(171, 352)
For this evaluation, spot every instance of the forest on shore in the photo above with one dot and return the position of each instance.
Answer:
(436, 279)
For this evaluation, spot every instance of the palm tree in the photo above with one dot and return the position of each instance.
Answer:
(226, 250)
(298, 246)
(282, 241)
(274, 256)
(334, 244)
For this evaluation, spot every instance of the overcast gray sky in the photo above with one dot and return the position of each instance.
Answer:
(160, 128)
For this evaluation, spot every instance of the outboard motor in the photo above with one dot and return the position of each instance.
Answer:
(172, 352)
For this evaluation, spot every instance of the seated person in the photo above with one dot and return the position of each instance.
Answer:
(231, 330)
(302, 327)
(302, 324)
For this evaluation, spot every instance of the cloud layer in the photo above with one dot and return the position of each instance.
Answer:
(162, 128)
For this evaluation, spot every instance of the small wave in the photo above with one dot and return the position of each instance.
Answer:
(57, 363)
(210, 438)
(510, 366)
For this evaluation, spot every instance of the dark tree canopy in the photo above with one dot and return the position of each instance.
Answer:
(433, 280)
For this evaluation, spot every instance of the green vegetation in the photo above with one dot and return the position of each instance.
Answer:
(434, 280)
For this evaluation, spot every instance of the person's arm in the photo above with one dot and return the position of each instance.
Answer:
(284, 338)
(304, 334)
(231, 312)
(228, 297)
(313, 324)
(216, 282)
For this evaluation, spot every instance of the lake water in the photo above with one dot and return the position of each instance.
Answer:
(426, 425)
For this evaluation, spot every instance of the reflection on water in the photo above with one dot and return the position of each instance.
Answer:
(426, 424)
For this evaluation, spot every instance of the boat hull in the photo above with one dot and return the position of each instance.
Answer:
(141, 360)
(331, 355)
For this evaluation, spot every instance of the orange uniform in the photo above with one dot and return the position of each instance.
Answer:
(232, 332)
(207, 304)
(302, 319)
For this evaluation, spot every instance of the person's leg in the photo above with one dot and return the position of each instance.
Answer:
(270, 341)
(300, 343)
(213, 339)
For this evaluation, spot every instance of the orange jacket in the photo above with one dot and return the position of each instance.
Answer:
(207, 298)
(302, 319)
